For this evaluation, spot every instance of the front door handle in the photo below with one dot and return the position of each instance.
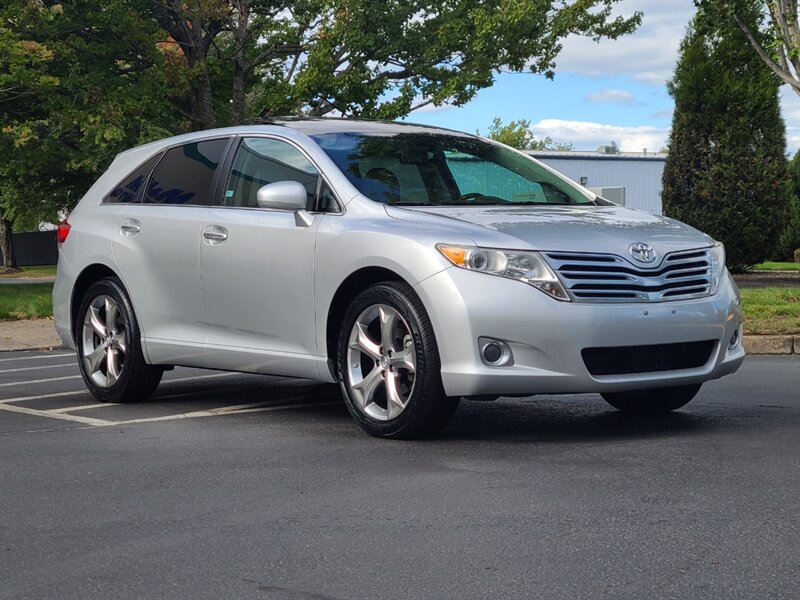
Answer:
(215, 234)
(130, 227)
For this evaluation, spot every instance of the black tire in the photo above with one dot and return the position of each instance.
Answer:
(136, 380)
(427, 407)
(652, 402)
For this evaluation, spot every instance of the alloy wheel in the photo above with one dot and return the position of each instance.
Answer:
(105, 341)
(382, 362)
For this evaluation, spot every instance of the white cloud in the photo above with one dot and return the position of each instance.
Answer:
(586, 135)
(648, 55)
(622, 97)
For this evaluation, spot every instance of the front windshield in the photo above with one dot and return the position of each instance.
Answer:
(426, 169)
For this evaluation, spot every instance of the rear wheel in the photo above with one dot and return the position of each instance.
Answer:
(388, 364)
(109, 348)
(654, 401)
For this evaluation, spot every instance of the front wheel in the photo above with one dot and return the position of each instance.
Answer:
(388, 364)
(109, 347)
(654, 401)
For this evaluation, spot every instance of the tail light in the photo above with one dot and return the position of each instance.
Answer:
(62, 231)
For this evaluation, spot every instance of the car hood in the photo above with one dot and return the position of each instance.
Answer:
(607, 229)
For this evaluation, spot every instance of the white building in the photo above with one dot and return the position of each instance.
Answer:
(629, 178)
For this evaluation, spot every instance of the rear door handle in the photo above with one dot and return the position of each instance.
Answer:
(130, 227)
(215, 234)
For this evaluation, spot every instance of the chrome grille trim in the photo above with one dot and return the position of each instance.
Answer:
(610, 278)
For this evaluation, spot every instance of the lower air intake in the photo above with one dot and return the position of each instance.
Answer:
(624, 360)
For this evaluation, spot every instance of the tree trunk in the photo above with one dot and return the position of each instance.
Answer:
(202, 108)
(193, 34)
(237, 100)
(7, 243)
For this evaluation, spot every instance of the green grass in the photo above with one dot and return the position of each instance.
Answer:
(26, 300)
(777, 266)
(771, 310)
(30, 272)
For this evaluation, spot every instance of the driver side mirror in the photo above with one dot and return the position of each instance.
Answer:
(282, 195)
(286, 195)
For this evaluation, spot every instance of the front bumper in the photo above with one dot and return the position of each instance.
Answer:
(547, 336)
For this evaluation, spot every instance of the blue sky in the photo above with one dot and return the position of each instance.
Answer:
(602, 92)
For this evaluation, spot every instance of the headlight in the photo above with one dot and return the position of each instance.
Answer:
(717, 266)
(527, 267)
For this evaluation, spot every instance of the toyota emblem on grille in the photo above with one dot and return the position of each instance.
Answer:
(642, 252)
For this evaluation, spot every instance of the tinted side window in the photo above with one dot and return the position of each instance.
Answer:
(128, 189)
(326, 202)
(185, 173)
(260, 161)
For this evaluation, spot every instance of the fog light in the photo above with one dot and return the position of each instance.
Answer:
(734, 339)
(495, 353)
(492, 352)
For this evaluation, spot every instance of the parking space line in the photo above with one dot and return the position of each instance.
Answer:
(37, 357)
(41, 396)
(70, 409)
(176, 380)
(49, 414)
(224, 410)
(71, 364)
(39, 380)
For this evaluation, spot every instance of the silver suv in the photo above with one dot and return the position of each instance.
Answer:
(412, 265)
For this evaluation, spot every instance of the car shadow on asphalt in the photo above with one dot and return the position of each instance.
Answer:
(530, 420)
(555, 420)
(538, 419)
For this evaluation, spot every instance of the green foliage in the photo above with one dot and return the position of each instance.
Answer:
(790, 238)
(81, 81)
(517, 134)
(365, 58)
(726, 170)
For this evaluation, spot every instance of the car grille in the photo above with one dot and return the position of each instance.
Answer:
(624, 360)
(610, 278)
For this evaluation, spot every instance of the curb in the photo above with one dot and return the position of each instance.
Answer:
(772, 344)
(33, 348)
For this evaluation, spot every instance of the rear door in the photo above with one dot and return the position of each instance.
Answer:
(157, 245)
(258, 266)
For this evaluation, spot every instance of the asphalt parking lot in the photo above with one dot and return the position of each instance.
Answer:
(242, 486)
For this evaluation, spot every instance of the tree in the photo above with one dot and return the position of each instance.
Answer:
(726, 168)
(79, 82)
(517, 134)
(790, 238)
(361, 57)
(777, 44)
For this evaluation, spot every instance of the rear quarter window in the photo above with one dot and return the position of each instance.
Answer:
(130, 189)
(185, 174)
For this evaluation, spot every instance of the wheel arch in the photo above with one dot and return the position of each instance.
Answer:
(87, 277)
(353, 285)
